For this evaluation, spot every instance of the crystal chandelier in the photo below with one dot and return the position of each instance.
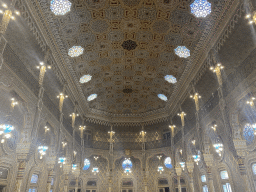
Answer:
(74, 167)
(160, 169)
(218, 148)
(182, 164)
(95, 170)
(5, 132)
(62, 161)
(196, 158)
(127, 170)
(42, 151)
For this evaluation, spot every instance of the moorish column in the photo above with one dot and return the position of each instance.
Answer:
(190, 168)
(208, 159)
(49, 180)
(178, 172)
(21, 169)
(39, 106)
(143, 150)
(111, 159)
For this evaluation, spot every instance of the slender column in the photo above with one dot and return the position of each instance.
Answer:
(111, 156)
(39, 105)
(66, 183)
(190, 168)
(76, 187)
(143, 150)
(49, 180)
(208, 158)
(178, 172)
(20, 175)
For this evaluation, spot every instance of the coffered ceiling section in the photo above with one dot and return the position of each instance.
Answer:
(127, 55)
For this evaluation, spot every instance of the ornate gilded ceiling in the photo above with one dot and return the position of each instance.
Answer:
(128, 49)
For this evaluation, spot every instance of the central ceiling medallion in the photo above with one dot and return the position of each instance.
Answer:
(127, 90)
(129, 45)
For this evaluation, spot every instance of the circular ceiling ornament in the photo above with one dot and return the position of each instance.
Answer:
(182, 51)
(129, 45)
(85, 78)
(60, 7)
(75, 51)
(92, 97)
(201, 8)
(162, 97)
(170, 79)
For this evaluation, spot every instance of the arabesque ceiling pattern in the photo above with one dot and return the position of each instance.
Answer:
(128, 49)
(128, 53)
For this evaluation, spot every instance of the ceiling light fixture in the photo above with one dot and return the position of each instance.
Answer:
(85, 78)
(182, 51)
(60, 7)
(75, 51)
(92, 97)
(170, 79)
(200, 8)
(162, 97)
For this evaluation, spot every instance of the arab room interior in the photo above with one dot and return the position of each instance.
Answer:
(127, 95)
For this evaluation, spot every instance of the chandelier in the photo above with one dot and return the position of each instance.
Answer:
(74, 167)
(218, 148)
(160, 169)
(42, 151)
(251, 18)
(62, 161)
(5, 131)
(196, 158)
(182, 164)
(95, 170)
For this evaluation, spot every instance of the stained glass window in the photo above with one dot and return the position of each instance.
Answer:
(92, 97)
(254, 169)
(224, 175)
(86, 164)
(248, 134)
(162, 97)
(127, 164)
(32, 190)
(34, 178)
(205, 188)
(52, 181)
(203, 178)
(168, 162)
(182, 51)
(60, 7)
(170, 79)
(75, 51)
(85, 78)
(227, 187)
(200, 8)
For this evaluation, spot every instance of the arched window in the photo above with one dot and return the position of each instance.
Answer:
(86, 164)
(225, 181)
(254, 169)
(33, 183)
(204, 184)
(248, 134)
(127, 164)
(168, 162)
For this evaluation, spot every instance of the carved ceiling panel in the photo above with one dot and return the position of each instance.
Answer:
(128, 49)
